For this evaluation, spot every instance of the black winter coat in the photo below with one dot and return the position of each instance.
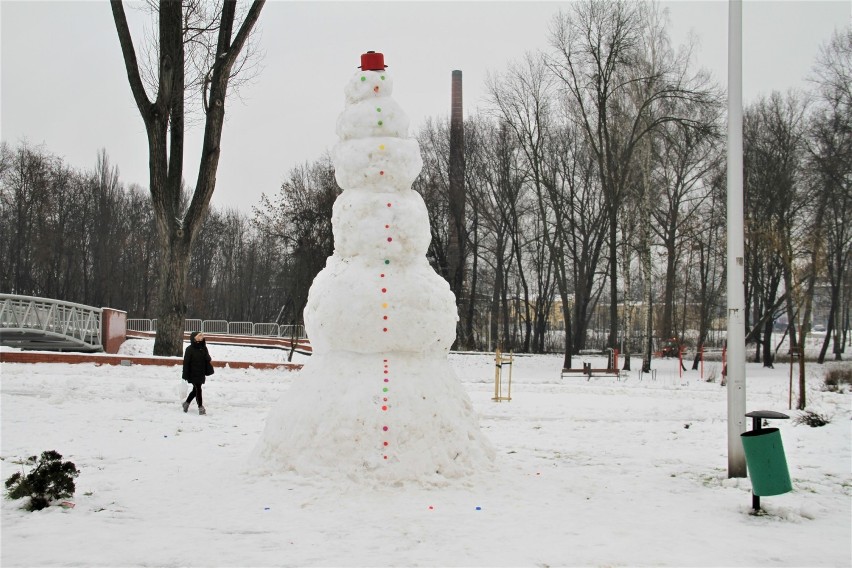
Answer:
(195, 360)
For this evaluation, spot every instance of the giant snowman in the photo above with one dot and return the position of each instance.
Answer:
(378, 399)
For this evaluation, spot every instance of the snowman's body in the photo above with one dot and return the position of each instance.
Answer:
(378, 398)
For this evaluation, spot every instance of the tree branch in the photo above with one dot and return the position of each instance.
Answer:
(242, 35)
(130, 63)
(226, 54)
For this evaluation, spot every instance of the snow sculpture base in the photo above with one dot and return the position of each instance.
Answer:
(331, 422)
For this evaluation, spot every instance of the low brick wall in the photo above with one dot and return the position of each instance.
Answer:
(74, 358)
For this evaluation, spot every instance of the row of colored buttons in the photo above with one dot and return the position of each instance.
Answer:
(386, 371)
(386, 381)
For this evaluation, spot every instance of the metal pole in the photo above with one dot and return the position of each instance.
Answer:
(511, 364)
(736, 250)
(755, 499)
(790, 390)
(498, 369)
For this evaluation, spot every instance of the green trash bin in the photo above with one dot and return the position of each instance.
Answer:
(767, 465)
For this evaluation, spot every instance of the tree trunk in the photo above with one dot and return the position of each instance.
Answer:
(802, 390)
(471, 305)
(767, 344)
(496, 296)
(164, 125)
(516, 246)
(791, 309)
(628, 309)
(505, 301)
(649, 325)
(581, 303)
(612, 340)
(174, 266)
(703, 308)
(829, 331)
(834, 282)
(566, 317)
(666, 325)
(647, 267)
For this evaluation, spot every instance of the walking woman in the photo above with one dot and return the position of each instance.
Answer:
(196, 367)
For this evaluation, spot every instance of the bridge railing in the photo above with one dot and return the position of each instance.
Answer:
(222, 326)
(76, 323)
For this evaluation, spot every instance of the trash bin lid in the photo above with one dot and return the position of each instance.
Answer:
(767, 414)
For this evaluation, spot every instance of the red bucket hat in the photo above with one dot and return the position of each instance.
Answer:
(372, 61)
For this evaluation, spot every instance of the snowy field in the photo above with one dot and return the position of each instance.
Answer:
(588, 473)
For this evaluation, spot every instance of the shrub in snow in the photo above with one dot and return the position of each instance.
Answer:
(838, 379)
(812, 419)
(50, 479)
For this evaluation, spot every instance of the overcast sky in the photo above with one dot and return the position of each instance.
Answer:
(63, 83)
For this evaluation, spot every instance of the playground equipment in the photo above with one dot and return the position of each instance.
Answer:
(501, 360)
(587, 370)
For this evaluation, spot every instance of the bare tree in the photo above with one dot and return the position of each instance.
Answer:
(105, 190)
(164, 119)
(495, 173)
(139, 247)
(75, 233)
(522, 99)
(433, 185)
(661, 200)
(687, 159)
(830, 152)
(599, 48)
(773, 150)
(297, 224)
(24, 183)
(579, 193)
(706, 237)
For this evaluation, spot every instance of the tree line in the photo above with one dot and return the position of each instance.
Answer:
(594, 215)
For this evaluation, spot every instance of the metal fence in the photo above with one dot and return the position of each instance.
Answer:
(265, 329)
(214, 327)
(294, 331)
(141, 325)
(150, 325)
(240, 328)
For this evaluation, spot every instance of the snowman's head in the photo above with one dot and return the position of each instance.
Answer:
(368, 84)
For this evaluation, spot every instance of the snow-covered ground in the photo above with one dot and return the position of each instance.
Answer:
(603, 472)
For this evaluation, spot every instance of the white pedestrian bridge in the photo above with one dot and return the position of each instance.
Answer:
(30, 322)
